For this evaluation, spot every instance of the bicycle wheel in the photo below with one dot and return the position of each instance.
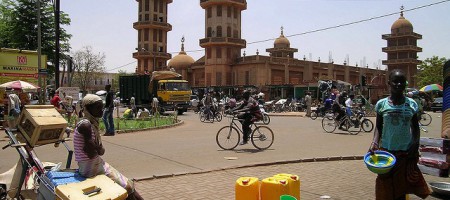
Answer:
(266, 119)
(328, 124)
(313, 115)
(353, 125)
(262, 137)
(218, 117)
(202, 117)
(228, 138)
(367, 125)
(425, 119)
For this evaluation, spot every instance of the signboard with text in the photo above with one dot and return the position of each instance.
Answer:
(17, 65)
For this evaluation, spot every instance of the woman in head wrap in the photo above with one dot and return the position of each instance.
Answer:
(88, 146)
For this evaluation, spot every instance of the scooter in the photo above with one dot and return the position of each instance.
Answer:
(266, 118)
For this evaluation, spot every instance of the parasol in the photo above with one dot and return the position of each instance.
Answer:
(20, 85)
(432, 87)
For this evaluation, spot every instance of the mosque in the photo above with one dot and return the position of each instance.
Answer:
(226, 69)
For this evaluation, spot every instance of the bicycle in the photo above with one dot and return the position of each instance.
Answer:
(228, 137)
(366, 124)
(350, 124)
(425, 119)
(210, 116)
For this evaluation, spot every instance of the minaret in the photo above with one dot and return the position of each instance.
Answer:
(222, 42)
(152, 30)
(402, 49)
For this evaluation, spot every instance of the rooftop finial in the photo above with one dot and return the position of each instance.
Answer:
(401, 10)
(282, 30)
(182, 43)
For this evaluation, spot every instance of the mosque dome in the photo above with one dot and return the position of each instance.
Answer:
(182, 60)
(402, 25)
(282, 41)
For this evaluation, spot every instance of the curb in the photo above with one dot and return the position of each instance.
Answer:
(318, 159)
(180, 122)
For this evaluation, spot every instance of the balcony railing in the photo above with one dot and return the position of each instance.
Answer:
(402, 48)
(222, 40)
(401, 61)
(151, 54)
(152, 24)
(205, 3)
(411, 34)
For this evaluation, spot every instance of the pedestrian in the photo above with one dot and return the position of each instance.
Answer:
(308, 102)
(55, 100)
(397, 131)
(13, 108)
(155, 103)
(133, 105)
(88, 147)
(108, 111)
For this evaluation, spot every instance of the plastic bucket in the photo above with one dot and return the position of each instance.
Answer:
(247, 188)
(293, 184)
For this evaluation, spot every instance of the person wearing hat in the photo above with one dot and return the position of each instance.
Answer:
(88, 146)
(397, 131)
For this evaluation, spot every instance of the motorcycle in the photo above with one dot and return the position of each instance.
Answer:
(266, 118)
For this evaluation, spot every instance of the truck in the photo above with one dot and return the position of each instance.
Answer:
(172, 91)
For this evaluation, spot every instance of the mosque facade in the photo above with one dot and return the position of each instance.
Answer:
(225, 68)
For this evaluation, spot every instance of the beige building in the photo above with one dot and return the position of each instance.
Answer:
(280, 74)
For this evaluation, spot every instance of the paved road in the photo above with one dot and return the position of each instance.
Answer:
(191, 149)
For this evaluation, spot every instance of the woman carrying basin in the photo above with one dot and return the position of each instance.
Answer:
(397, 131)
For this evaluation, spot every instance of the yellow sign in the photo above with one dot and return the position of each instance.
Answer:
(20, 65)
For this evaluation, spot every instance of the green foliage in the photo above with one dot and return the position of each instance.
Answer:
(139, 124)
(430, 71)
(18, 27)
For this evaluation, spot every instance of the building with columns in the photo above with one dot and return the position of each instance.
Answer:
(402, 49)
(226, 69)
(151, 52)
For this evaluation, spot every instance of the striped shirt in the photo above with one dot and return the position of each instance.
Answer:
(78, 144)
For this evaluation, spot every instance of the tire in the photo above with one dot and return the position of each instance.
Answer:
(425, 119)
(266, 119)
(262, 137)
(202, 116)
(353, 126)
(314, 115)
(228, 138)
(180, 112)
(218, 117)
(328, 124)
(367, 125)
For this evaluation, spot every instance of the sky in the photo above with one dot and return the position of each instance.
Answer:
(107, 26)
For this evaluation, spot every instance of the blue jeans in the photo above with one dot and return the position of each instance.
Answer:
(108, 120)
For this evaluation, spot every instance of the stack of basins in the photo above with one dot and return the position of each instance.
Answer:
(445, 133)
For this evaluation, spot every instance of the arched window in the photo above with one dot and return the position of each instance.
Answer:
(235, 34)
(219, 31)
(228, 31)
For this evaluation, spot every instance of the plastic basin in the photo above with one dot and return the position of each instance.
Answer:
(380, 163)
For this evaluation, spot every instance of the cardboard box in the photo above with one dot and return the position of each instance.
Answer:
(41, 124)
(98, 188)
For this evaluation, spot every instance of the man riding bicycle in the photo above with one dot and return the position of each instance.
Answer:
(249, 112)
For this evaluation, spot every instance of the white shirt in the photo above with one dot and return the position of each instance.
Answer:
(349, 103)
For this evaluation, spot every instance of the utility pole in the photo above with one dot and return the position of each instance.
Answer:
(38, 5)
(57, 35)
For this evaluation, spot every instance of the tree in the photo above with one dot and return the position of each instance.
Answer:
(18, 28)
(88, 66)
(430, 71)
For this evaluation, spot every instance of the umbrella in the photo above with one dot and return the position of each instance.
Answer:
(101, 92)
(20, 85)
(432, 87)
